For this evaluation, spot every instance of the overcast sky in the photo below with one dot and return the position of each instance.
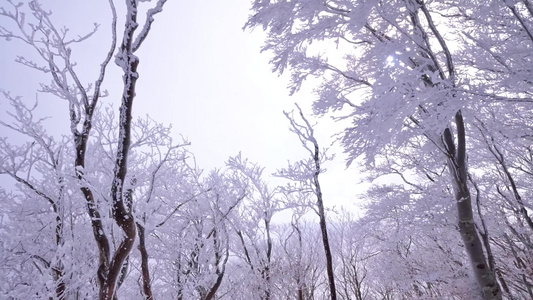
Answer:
(199, 71)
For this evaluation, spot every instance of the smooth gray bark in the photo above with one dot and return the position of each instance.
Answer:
(484, 275)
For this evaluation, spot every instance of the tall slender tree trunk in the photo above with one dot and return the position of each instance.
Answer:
(484, 275)
(147, 284)
(324, 230)
(121, 214)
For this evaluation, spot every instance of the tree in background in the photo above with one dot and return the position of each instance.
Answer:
(305, 175)
(253, 227)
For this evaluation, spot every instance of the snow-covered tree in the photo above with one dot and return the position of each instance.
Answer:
(414, 77)
(32, 24)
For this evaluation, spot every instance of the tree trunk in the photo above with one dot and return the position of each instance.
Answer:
(325, 240)
(484, 275)
(147, 285)
(322, 216)
(121, 214)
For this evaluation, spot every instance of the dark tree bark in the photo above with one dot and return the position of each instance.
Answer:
(323, 226)
(122, 214)
(220, 266)
(147, 284)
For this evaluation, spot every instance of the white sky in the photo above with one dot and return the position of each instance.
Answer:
(199, 71)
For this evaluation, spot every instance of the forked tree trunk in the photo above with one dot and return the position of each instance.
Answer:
(484, 275)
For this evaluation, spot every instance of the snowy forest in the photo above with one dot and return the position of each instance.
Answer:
(433, 102)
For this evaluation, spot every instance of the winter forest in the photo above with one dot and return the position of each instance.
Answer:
(432, 103)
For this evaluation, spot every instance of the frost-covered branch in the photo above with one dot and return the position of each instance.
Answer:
(148, 24)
